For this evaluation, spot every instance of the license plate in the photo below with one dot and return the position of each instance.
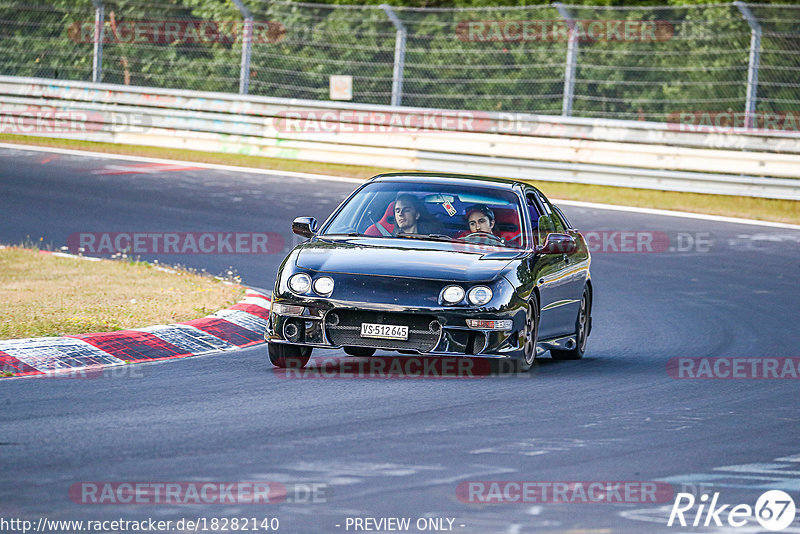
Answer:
(384, 331)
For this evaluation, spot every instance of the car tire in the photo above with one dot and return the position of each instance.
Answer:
(289, 356)
(582, 327)
(531, 334)
(362, 352)
(525, 363)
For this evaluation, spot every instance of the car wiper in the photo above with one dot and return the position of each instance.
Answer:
(433, 237)
(440, 237)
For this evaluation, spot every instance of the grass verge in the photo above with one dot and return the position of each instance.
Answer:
(46, 295)
(765, 209)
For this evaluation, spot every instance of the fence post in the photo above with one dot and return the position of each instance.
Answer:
(399, 55)
(752, 65)
(247, 44)
(572, 55)
(99, 36)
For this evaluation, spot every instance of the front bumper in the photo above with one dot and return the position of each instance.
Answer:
(441, 331)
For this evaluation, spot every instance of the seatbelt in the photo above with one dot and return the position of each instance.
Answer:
(382, 229)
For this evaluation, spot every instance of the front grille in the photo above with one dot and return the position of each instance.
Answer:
(423, 330)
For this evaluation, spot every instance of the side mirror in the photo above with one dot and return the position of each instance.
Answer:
(558, 244)
(304, 226)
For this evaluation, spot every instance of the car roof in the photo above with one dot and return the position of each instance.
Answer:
(447, 178)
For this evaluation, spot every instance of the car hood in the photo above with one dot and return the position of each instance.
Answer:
(409, 258)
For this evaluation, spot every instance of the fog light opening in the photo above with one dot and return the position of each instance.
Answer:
(291, 331)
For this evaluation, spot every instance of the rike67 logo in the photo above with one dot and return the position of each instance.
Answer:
(774, 510)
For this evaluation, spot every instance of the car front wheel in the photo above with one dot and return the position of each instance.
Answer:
(289, 356)
(531, 337)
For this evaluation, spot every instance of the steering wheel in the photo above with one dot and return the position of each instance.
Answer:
(483, 237)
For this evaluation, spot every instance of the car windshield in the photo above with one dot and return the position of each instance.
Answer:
(438, 212)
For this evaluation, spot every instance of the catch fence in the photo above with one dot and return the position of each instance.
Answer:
(700, 62)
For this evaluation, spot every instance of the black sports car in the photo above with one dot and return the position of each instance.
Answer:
(435, 264)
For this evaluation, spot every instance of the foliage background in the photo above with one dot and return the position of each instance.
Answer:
(702, 67)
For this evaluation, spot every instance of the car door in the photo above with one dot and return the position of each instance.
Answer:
(551, 271)
(576, 270)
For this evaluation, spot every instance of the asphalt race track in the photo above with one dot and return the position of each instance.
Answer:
(388, 447)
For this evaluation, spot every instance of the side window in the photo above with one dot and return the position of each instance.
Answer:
(546, 226)
(544, 221)
(558, 224)
(533, 211)
(561, 216)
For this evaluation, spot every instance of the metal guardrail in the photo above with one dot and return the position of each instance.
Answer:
(590, 151)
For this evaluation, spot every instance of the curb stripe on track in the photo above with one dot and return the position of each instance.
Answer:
(241, 325)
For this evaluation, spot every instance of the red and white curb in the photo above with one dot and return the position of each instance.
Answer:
(241, 325)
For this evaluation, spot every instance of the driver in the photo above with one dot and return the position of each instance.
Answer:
(480, 219)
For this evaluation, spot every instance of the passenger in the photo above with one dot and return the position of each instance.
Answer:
(410, 216)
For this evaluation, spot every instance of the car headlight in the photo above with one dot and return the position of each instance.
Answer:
(453, 294)
(323, 286)
(479, 295)
(300, 283)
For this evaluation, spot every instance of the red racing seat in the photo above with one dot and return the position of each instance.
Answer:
(506, 224)
(387, 228)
